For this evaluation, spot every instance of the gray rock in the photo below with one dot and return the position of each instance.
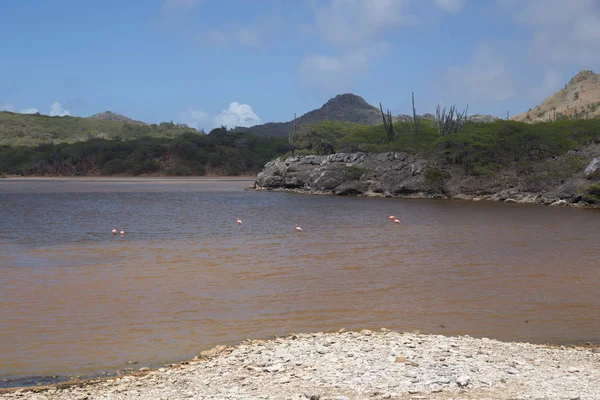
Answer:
(593, 168)
(463, 381)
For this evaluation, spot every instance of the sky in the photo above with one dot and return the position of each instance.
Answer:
(245, 62)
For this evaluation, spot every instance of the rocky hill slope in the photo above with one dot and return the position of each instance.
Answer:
(346, 107)
(580, 98)
(111, 116)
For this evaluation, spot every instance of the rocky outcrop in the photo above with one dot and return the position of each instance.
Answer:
(556, 181)
(386, 174)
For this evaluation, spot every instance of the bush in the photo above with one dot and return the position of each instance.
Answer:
(354, 172)
(434, 178)
(591, 193)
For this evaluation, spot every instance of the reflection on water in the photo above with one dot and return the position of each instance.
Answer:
(76, 299)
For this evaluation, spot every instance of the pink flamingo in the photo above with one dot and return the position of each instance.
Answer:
(239, 221)
(122, 232)
(396, 221)
(298, 229)
(114, 231)
(391, 216)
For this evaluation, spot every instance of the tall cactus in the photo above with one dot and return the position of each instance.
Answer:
(450, 122)
(388, 124)
(292, 135)
(416, 124)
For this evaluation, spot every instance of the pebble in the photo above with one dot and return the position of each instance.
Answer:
(463, 381)
(358, 365)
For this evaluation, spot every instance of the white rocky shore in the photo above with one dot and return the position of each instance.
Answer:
(358, 365)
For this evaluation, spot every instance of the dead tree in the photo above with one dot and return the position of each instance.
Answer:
(416, 122)
(292, 136)
(450, 122)
(388, 124)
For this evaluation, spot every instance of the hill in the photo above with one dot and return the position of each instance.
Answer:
(111, 116)
(579, 99)
(35, 129)
(346, 107)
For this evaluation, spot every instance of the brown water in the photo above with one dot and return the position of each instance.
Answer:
(185, 277)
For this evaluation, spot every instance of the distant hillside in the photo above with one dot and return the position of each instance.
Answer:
(111, 116)
(579, 99)
(346, 107)
(35, 129)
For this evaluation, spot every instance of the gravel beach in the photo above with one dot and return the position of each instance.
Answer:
(357, 365)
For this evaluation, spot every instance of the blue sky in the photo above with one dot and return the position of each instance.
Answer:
(242, 62)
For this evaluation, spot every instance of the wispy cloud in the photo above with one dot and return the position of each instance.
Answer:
(356, 31)
(562, 32)
(4, 106)
(484, 79)
(337, 72)
(57, 110)
(236, 114)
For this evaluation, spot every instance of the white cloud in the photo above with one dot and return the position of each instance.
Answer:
(180, 4)
(450, 5)
(57, 110)
(235, 115)
(195, 118)
(4, 106)
(485, 79)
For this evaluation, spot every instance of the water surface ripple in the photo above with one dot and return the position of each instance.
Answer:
(185, 277)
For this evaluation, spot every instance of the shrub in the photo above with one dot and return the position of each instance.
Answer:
(434, 177)
(591, 193)
(354, 172)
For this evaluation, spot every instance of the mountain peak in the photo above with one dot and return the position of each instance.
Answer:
(347, 99)
(345, 107)
(584, 75)
(111, 116)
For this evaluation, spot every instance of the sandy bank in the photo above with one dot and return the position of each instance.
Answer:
(353, 365)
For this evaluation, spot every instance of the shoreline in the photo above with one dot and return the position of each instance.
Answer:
(523, 199)
(350, 364)
(128, 178)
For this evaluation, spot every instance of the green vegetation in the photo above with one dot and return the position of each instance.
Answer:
(35, 129)
(220, 152)
(480, 148)
(434, 177)
(591, 193)
(43, 145)
(354, 172)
